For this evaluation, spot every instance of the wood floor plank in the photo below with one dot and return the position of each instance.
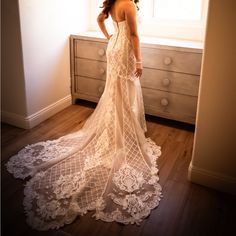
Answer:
(163, 219)
(185, 209)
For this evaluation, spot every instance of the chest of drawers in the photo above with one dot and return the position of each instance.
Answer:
(170, 78)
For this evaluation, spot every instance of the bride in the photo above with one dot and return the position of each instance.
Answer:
(108, 166)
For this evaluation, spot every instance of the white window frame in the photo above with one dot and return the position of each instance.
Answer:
(178, 29)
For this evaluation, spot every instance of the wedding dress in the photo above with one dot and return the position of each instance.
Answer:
(108, 166)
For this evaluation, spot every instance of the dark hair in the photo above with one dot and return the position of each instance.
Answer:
(107, 4)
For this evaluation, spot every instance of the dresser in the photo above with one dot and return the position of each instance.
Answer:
(170, 77)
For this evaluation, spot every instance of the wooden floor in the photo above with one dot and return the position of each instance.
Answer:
(185, 209)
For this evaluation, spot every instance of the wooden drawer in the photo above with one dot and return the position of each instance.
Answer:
(155, 79)
(170, 60)
(90, 50)
(88, 88)
(170, 81)
(170, 105)
(90, 68)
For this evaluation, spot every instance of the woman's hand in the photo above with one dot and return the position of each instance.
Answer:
(109, 36)
(139, 70)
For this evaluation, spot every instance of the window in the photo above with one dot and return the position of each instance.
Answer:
(178, 9)
(183, 19)
(180, 19)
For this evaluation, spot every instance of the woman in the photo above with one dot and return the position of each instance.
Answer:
(123, 11)
(109, 166)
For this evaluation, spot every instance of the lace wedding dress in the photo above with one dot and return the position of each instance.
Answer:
(108, 166)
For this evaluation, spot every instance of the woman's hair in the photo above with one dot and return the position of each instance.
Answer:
(107, 4)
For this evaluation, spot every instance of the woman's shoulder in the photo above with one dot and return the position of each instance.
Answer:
(127, 5)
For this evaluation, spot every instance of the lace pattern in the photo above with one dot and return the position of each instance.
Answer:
(109, 166)
(32, 156)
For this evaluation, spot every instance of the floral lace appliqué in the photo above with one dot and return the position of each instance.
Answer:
(128, 179)
(22, 164)
(66, 185)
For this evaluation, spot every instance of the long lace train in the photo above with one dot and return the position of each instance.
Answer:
(109, 166)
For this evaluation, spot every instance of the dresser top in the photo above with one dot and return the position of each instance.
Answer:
(150, 42)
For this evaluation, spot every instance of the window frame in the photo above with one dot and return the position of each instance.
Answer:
(178, 29)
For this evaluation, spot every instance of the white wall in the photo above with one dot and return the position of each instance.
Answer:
(45, 28)
(214, 159)
(13, 95)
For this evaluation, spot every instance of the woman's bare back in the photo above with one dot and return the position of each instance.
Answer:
(117, 11)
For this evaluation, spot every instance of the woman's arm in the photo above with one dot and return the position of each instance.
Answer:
(100, 19)
(131, 19)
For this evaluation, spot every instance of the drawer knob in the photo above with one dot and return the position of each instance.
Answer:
(167, 61)
(101, 52)
(164, 102)
(100, 89)
(166, 82)
(102, 71)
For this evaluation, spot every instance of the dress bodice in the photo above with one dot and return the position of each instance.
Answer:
(120, 28)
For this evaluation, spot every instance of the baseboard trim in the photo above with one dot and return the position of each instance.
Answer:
(14, 119)
(28, 122)
(212, 179)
